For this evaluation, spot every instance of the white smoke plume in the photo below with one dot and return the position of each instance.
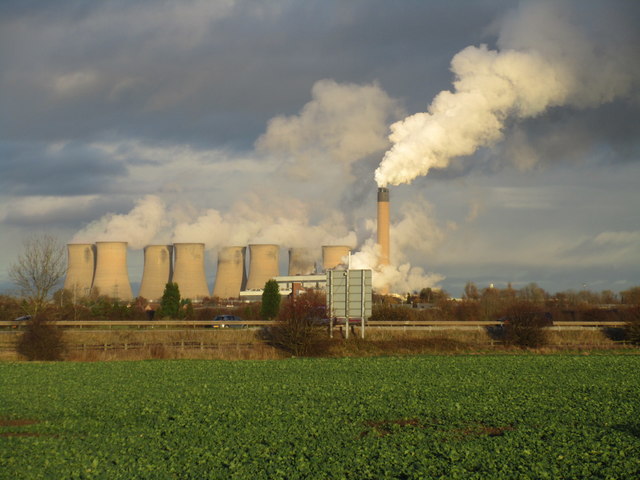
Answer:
(343, 123)
(543, 61)
(416, 231)
(138, 227)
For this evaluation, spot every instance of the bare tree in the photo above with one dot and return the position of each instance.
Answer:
(38, 270)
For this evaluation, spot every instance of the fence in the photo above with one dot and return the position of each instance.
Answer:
(191, 324)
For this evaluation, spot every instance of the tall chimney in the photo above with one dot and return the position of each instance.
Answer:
(188, 270)
(383, 230)
(231, 276)
(81, 264)
(263, 265)
(158, 268)
(383, 225)
(301, 261)
(111, 277)
(332, 255)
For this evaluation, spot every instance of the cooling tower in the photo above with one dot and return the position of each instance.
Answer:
(188, 270)
(301, 261)
(332, 255)
(158, 269)
(111, 277)
(231, 276)
(81, 263)
(383, 225)
(263, 265)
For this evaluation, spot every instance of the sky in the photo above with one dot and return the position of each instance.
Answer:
(508, 133)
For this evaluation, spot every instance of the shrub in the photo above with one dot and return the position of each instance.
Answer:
(524, 324)
(297, 330)
(10, 308)
(632, 327)
(389, 313)
(41, 341)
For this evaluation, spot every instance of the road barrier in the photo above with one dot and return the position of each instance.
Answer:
(190, 324)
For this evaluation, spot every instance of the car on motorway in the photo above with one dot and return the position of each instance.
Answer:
(21, 320)
(231, 321)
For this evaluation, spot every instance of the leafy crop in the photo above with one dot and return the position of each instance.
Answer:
(370, 418)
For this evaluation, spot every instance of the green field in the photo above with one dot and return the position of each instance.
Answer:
(520, 416)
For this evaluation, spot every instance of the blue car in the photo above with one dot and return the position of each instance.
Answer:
(232, 319)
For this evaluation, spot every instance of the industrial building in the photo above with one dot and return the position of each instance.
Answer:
(102, 266)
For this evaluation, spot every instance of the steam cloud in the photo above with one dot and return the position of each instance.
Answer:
(416, 231)
(138, 227)
(543, 61)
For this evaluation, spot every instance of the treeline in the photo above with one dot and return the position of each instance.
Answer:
(490, 304)
(100, 307)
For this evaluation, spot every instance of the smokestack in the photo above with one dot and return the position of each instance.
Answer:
(383, 224)
(158, 269)
(231, 276)
(188, 270)
(81, 263)
(263, 265)
(301, 261)
(111, 277)
(332, 255)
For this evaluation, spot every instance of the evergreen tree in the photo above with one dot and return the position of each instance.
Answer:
(270, 300)
(170, 304)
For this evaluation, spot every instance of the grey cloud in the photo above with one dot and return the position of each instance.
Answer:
(71, 169)
(140, 69)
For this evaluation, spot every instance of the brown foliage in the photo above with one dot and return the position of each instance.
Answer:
(297, 330)
(632, 328)
(41, 341)
(524, 324)
(386, 312)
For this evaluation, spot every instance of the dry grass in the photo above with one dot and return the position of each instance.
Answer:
(592, 337)
(247, 344)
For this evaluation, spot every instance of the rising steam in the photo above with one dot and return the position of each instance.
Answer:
(138, 227)
(543, 62)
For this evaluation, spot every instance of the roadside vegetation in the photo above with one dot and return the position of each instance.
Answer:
(300, 324)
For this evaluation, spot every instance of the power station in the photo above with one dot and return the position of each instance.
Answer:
(111, 277)
(157, 272)
(189, 272)
(231, 276)
(80, 267)
(102, 267)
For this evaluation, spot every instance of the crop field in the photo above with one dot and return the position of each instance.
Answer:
(467, 416)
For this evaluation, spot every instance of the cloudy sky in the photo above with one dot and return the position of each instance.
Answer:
(508, 132)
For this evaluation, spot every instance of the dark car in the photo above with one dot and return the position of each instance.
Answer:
(232, 321)
(21, 320)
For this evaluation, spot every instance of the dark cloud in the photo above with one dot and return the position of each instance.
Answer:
(71, 169)
(200, 74)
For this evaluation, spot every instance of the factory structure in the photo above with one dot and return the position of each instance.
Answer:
(102, 267)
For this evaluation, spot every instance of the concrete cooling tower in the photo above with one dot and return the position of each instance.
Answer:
(231, 276)
(263, 265)
(111, 277)
(158, 270)
(81, 263)
(188, 270)
(332, 255)
(302, 261)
